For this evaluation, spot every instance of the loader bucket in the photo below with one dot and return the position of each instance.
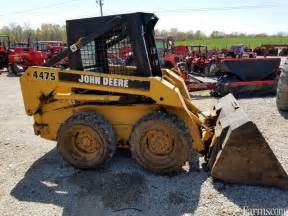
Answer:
(241, 153)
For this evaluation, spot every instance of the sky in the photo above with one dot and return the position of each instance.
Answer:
(247, 16)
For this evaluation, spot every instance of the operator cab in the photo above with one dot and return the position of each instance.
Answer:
(126, 48)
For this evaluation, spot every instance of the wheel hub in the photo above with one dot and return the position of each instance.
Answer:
(159, 142)
(85, 142)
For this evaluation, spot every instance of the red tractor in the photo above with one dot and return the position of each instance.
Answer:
(21, 56)
(121, 55)
(51, 49)
(4, 47)
(240, 75)
(208, 63)
(197, 59)
(169, 54)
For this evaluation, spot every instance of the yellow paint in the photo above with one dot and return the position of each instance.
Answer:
(51, 102)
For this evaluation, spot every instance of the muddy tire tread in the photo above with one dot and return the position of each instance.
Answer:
(177, 124)
(95, 121)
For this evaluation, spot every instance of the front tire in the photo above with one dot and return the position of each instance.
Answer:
(86, 140)
(161, 142)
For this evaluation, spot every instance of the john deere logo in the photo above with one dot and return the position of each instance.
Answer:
(103, 81)
(115, 82)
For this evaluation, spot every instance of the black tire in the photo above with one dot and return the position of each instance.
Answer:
(211, 69)
(11, 69)
(2, 60)
(86, 140)
(282, 90)
(161, 128)
(192, 67)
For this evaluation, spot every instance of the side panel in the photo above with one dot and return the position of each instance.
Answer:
(122, 118)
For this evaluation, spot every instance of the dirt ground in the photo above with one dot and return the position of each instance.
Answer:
(35, 181)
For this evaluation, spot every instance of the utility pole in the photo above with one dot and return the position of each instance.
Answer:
(100, 3)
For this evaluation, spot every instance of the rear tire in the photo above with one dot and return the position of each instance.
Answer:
(86, 140)
(211, 69)
(282, 90)
(161, 142)
(11, 69)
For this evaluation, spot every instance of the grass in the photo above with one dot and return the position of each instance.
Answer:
(220, 43)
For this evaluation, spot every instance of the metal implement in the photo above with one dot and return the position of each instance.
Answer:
(241, 153)
(251, 69)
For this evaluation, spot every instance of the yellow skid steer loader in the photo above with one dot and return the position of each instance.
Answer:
(115, 94)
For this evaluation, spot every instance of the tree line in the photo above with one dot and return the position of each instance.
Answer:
(21, 33)
(198, 34)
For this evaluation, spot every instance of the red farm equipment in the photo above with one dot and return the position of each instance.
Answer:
(207, 63)
(49, 49)
(236, 71)
(231, 75)
(170, 54)
(272, 50)
(197, 59)
(237, 51)
(242, 77)
(203, 62)
(21, 56)
(248, 76)
(121, 55)
(240, 51)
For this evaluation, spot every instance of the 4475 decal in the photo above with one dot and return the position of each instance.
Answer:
(44, 75)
